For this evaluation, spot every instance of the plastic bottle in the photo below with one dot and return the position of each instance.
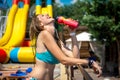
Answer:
(71, 23)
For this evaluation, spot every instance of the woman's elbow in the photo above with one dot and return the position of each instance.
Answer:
(64, 61)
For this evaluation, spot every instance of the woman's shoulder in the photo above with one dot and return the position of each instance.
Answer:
(44, 33)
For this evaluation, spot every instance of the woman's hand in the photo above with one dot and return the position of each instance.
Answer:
(69, 29)
(66, 50)
(97, 69)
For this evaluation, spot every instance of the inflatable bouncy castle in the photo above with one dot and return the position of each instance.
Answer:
(13, 46)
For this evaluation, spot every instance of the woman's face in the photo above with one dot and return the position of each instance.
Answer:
(45, 19)
(47, 22)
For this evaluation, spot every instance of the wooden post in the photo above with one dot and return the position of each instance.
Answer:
(63, 74)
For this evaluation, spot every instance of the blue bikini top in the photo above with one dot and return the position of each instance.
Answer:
(47, 57)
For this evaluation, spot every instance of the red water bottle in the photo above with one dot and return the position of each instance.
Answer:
(71, 23)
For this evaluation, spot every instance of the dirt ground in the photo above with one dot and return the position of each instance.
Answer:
(12, 68)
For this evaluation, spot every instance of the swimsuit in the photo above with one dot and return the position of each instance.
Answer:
(47, 57)
(33, 78)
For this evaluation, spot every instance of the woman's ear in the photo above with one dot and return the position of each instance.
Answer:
(42, 25)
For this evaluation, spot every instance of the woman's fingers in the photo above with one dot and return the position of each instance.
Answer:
(98, 71)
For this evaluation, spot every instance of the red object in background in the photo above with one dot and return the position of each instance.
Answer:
(71, 23)
(17, 1)
(26, 43)
(3, 56)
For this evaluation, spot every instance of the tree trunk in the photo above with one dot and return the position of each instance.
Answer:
(118, 45)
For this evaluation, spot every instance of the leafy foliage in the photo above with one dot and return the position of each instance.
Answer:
(100, 27)
(74, 11)
(103, 19)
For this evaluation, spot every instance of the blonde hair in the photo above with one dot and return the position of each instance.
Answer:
(35, 27)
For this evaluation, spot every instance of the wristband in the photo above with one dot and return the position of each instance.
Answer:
(72, 34)
(90, 62)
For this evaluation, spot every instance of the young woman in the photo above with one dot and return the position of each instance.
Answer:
(50, 50)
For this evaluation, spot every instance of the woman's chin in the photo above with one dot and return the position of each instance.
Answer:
(53, 20)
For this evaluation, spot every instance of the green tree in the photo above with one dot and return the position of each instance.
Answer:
(103, 20)
(74, 11)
